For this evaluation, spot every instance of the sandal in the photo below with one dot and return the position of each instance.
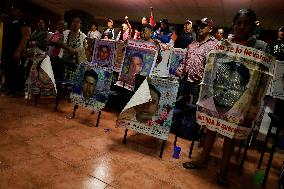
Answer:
(222, 181)
(193, 165)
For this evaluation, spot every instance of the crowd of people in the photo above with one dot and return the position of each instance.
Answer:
(65, 48)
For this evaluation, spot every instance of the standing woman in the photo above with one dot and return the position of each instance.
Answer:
(74, 45)
(243, 27)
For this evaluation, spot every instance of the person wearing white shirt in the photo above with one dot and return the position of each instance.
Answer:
(94, 33)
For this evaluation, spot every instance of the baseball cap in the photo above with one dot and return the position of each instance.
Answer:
(281, 29)
(206, 21)
(109, 19)
(188, 21)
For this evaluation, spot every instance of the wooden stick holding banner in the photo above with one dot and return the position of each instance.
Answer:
(74, 111)
(98, 119)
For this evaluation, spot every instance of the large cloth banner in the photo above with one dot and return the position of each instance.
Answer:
(91, 87)
(162, 69)
(150, 109)
(176, 59)
(103, 54)
(277, 85)
(41, 78)
(119, 52)
(234, 84)
(139, 58)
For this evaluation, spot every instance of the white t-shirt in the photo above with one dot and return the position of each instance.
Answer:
(94, 34)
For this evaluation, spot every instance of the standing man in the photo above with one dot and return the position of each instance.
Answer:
(109, 32)
(16, 35)
(94, 33)
(277, 47)
(277, 50)
(40, 36)
(192, 68)
(187, 36)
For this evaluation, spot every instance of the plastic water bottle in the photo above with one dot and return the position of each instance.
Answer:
(177, 150)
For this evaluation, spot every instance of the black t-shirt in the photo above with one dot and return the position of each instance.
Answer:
(183, 40)
(277, 50)
(12, 37)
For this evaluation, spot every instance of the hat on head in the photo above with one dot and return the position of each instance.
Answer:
(281, 29)
(188, 21)
(165, 21)
(206, 21)
(109, 19)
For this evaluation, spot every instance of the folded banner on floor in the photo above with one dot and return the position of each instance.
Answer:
(103, 54)
(150, 109)
(91, 87)
(41, 78)
(139, 58)
(234, 84)
(176, 59)
(162, 69)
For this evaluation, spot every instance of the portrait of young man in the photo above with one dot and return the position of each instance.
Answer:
(146, 111)
(89, 84)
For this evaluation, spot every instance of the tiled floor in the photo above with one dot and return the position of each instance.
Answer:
(40, 148)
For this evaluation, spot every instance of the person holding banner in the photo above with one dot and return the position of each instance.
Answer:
(191, 69)
(146, 35)
(109, 32)
(163, 34)
(243, 27)
(145, 21)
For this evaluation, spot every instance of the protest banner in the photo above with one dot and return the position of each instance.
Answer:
(277, 84)
(162, 69)
(103, 54)
(150, 109)
(91, 87)
(41, 78)
(119, 52)
(139, 58)
(176, 59)
(234, 84)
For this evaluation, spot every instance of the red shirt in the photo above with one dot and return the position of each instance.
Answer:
(195, 59)
(54, 51)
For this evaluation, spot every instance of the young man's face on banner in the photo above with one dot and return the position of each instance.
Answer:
(103, 53)
(145, 112)
(135, 65)
(43, 77)
(229, 85)
(89, 86)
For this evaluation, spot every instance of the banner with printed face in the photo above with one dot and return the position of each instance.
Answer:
(150, 109)
(119, 52)
(41, 79)
(162, 69)
(233, 87)
(103, 54)
(89, 49)
(176, 59)
(277, 86)
(139, 58)
(91, 87)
